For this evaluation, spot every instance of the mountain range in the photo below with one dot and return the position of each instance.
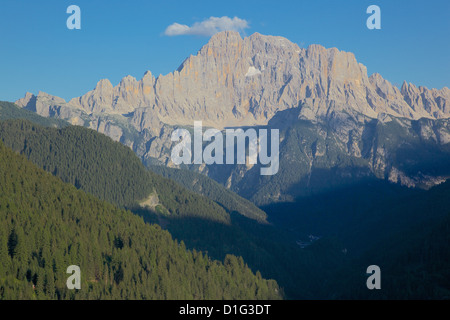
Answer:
(243, 82)
(334, 118)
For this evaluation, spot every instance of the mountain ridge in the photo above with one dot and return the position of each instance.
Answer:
(245, 81)
(117, 176)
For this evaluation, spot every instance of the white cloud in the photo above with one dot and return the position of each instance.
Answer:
(208, 27)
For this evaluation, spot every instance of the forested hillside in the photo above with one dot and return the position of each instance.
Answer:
(415, 259)
(405, 232)
(47, 225)
(106, 169)
(414, 265)
(213, 190)
(9, 110)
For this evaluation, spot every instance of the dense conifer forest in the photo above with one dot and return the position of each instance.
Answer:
(47, 225)
(106, 169)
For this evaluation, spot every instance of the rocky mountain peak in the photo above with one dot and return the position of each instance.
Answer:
(103, 84)
(224, 38)
(27, 102)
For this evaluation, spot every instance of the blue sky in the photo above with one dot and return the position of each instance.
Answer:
(119, 38)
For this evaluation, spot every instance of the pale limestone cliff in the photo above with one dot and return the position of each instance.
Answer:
(234, 82)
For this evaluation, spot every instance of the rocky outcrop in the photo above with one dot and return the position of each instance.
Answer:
(435, 103)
